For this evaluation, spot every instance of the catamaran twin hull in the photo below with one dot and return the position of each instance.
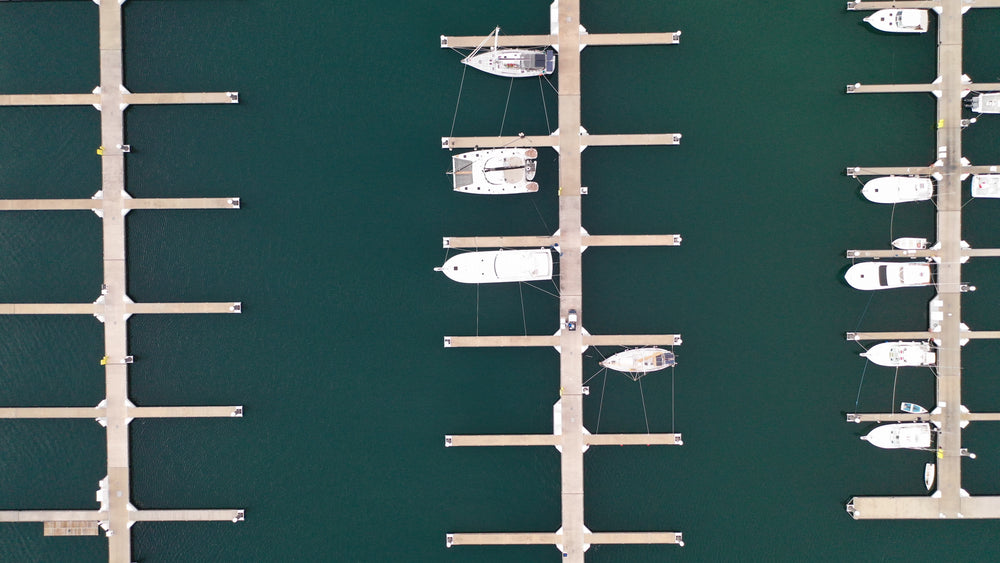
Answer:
(498, 266)
(495, 171)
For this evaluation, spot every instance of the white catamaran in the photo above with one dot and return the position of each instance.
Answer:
(511, 62)
(495, 171)
(910, 20)
(887, 275)
(498, 266)
(898, 189)
(637, 362)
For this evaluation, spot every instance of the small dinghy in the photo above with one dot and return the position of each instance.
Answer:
(930, 471)
(912, 408)
(910, 243)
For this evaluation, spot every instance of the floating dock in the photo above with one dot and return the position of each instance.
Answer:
(950, 500)
(569, 434)
(113, 307)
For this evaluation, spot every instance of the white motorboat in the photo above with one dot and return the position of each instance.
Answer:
(639, 361)
(898, 189)
(912, 408)
(986, 185)
(497, 266)
(887, 275)
(986, 103)
(495, 171)
(900, 435)
(910, 243)
(930, 471)
(893, 20)
(511, 63)
(900, 354)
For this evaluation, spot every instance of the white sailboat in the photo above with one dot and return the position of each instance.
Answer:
(498, 266)
(912, 435)
(898, 189)
(887, 275)
(986, 103)
(986, 185)
(495, 171)
(511, 63)
(639, 361)
(910, 243)
(900, 354)
(909, 20)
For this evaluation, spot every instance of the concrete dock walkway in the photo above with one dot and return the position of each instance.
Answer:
(113, 307)
(950, 500)
(570, 436)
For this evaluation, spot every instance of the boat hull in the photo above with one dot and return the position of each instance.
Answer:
(499, 266)
(495, 171)
(986, 103)
(640, 360)
(930, 472)
(986, 185)
(910, 243)
(514, 63)
(869, 276)
(898, 189)
(896, 20)
(901, 354)
(902, 435)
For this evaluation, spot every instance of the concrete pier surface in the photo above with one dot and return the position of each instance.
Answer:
(569, 434)
(113, 307)
(949, 500)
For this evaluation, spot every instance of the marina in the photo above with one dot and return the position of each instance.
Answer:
(113, 307)
(569, 435)
(950, 499)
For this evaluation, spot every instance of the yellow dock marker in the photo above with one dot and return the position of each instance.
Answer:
(104, 361)
(100, 150)
(940, 124)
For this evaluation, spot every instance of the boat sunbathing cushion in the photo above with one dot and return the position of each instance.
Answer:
(514, 172)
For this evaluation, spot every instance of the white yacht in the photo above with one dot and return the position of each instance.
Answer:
(900, 435)
(910, 243)
(986, 185)
(986, 103)
(495, 171)
(899, 354)
(511, 63)
(640, 360)
(898, 189)
(894, 20)
(887, 275)
(497, 266)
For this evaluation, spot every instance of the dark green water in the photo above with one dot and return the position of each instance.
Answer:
(334, 149)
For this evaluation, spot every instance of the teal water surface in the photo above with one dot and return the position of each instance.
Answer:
(337, 358)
